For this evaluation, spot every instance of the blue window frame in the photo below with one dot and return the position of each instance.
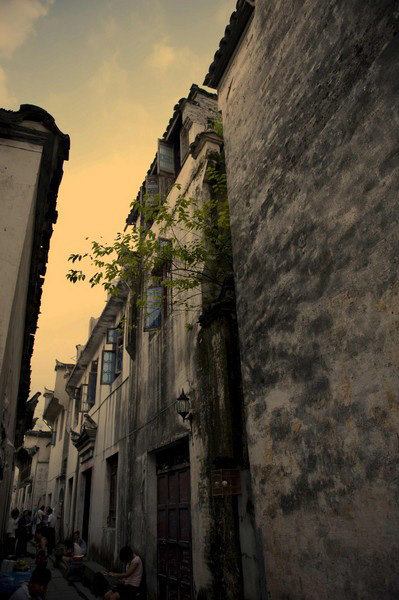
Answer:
(108, 367)
(153, 312)
(112, 335)
(92, 383)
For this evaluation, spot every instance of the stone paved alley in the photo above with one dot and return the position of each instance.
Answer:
(58, 588)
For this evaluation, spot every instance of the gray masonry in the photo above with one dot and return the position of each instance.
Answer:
(310, 103)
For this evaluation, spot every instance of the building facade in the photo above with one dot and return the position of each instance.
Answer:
(32, 460)
(189, 488)
(309, 99)
(32, 151)
(171, 482)
(56, 415)
(98, 392)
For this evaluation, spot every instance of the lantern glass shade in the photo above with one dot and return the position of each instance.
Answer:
(183, 405)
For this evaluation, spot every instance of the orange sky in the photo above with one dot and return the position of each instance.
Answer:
(110, 72)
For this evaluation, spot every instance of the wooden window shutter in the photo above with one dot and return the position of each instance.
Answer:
(152, 188)
(166, 159)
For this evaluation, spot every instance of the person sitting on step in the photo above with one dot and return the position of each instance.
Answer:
(129, 587)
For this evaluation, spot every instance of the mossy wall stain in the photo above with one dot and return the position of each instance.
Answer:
(221, 406)
(309, 102)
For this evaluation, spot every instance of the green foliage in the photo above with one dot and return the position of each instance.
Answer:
(217, 126)
(184, 247)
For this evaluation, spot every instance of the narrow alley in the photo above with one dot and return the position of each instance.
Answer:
(199, 379)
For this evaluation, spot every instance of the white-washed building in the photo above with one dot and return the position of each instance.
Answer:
(55, 414)
(98, 391)
(32, 152)
(32, 460)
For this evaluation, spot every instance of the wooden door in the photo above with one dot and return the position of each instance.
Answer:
(174, 526)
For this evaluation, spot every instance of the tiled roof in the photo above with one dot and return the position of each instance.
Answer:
(229, 41)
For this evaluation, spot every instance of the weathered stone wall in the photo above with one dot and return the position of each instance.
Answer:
(310, 107)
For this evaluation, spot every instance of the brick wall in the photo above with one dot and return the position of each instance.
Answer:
(311, 113)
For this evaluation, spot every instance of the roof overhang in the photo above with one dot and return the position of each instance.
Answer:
(233, 32)
(52, 407)
(85, 441)
(22, 454)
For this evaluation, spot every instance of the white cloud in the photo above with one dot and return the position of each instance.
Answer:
(162, 57)
(17, 21)
(7, 99)
(165, 57)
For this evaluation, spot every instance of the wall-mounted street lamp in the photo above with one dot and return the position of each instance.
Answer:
(183, 406)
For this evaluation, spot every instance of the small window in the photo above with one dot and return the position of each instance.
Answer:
(53, 438)
(108, 367)
(113, 482)
(153, 311)
(151, 188)
(166, 160)
(92, 383)
(112, 335)
(84, 405)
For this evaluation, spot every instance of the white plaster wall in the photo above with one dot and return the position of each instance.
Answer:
(61, 424)
(19, 168)
(109, 414)
(55, 463)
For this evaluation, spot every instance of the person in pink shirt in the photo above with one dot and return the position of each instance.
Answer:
(131, 578)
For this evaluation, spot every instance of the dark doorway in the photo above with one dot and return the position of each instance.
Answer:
(86, 505)
(174, 524)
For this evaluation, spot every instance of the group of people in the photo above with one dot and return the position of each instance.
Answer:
(41, 530)
(22, 527)
(128, 589)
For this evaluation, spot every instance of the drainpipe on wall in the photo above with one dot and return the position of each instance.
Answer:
(75, 493)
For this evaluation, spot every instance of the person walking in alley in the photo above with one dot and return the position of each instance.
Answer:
(50, 533)
(129, 587)
(35, 589)
(40, 515)
(22, 534)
